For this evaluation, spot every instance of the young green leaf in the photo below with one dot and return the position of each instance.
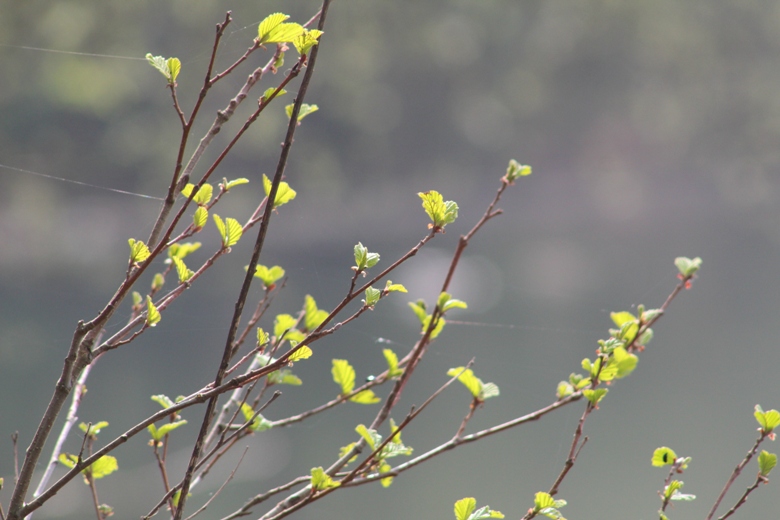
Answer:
(663, 456)
(302, 353)
(228, 185)
(284, 323)
(199, 218)
(182, 270)
(103, 467)
(269, 276)
(313, 316)
(467, 377)
(181, 250)
(153, 316)
(163, 400)
(343, 375)
(169, 68)
(165, 429)
(620, 318)
(687, 266)
(138, 251)
(304, 111)
(446, 302)
(440, 323)
(306, 40)
(203, 196)
(269, 92)
(94, 429)
(766, 462)
(158, 281)
(594, 395)
(262, 337)
(464, 507)
(384, 468)
(372, 437)
(441, 213)
(137, 298)
(230, 230)
(516, 170)
(284, 193)
(321, 480)
(624, 362)
(259, 423)
(392, 363)
(767, 420)
(284, 377)
(564, 389)
(372, 297)
(394, 287)
(364, 259)
(365, 397)
(419, 310)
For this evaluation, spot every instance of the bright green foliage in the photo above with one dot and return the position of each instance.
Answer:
(183, 249)
(303, 352)
(94, 429)
(306, 40)
(564, 389)
(420, 310)
(259, 423)
(273, 30)
(165, 429)
(372, 297)
(320, 480)
(515, 170)
(478, 389)
(663, 456)
(230, 230)
(137, 298)
(344, 376)
(394, 287)
(269, 92)
(269, 275)
(766, 462)
(313, 316)
(153, 316)
(687, 266)
(199, 218)
(441, 213)
(392, 363)
(364, 259)
(284, 377)
(182, 270)
(284, 324)
(465, 510)
(446, 302)
(262, 337)
(169, 68)
(163, 400)
(284, 193)
(304, 111)
(624, 362)
(203, 196)
(393, 448)
(544, 504)
(672, 492)
(594, 395)
(102, 467)
(384, 468)
(158, 281)
(138, 251)
(346, 449)
(227, 185)
(372, 437)
(767, 420)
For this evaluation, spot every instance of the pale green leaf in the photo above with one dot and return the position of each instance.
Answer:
(269, 92)
(663, 456)
(235, 182)
(394, 287)
(343, 375)
(766, 462)
(303, 352)
(304, 111)
(174, 67)
(469, 380)
(392, 363)
(306, 40)
(464, 508)
(199, 218)
(313, 316)
(153, 316)
(103, 467)
(372, 297)
(321, 480)
(365, 397)
(182, 270)
(268, 24)
(269, 275)
(138, 251)
(283, 323)
(284, 193)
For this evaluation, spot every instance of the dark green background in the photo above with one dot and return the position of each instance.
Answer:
(653, 130)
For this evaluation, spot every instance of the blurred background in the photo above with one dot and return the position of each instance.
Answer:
(653, 131)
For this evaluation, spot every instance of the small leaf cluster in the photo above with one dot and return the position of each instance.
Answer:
(514, 171)
(273, 29)
(466, 509)
(344, 376)
(479, 390)
(102, 467)
(393, 448)
(169, 68)
(159, 434)
(545, 504)
(440, 212)
(444, 303)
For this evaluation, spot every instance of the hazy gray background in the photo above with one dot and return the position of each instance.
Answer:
(653, 131)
